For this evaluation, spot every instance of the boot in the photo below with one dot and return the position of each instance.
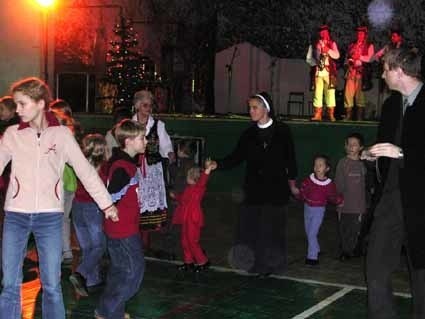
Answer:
(348, 114)
(360, 113)
(331, 111)
(317, 114)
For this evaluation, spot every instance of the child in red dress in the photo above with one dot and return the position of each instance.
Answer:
(189, 214)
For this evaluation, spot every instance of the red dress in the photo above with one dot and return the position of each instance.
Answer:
(189, 214)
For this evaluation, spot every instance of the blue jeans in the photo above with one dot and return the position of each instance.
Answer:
(125, 275)
(313, 217)
(47, 231)
(88, 225)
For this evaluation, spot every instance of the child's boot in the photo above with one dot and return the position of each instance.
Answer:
(202, 268)
(186, 267)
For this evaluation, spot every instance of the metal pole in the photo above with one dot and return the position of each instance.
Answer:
(46, 45)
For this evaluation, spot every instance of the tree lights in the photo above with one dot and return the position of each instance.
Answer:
(126, 67)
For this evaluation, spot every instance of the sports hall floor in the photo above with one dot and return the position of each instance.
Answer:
(332, 290)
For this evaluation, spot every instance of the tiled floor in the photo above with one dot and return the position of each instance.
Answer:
(332, 290)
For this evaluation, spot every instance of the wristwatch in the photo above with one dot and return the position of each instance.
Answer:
(400, 153)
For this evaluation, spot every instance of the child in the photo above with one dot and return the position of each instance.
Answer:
(119, 115)
(185, 160)
(350, 180)
(8, 111)
(123, 239)
(189, 214)
(38, 148)
(88, 221)
(63, 113)
(316, 191)
(177, 173)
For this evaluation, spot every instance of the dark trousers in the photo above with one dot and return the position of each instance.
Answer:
(262, 229)
(387, 237)
(125, 275)
(349, 229)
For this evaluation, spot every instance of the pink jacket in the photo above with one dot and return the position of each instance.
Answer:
(37, 168)
(318, 193)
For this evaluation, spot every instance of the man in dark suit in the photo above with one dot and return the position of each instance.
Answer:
(399, 217)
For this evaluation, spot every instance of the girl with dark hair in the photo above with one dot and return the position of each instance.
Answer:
(316, 191)
(268, 151)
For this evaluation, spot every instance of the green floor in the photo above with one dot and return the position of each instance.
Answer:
(218, 294)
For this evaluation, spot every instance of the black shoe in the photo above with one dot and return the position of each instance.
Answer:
(311, 262)
(203, 267)
(96, 288)
(79, 283)
(186, 267)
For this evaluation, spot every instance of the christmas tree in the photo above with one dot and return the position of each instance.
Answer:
(126, 67)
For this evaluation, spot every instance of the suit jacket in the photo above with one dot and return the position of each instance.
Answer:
(412, 172)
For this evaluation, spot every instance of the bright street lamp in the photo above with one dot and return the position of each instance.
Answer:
(45, 3)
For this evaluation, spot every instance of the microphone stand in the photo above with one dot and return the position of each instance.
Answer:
(229, 70)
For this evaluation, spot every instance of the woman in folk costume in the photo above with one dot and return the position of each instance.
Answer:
(152, 192)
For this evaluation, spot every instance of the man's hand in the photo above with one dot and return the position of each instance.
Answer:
(385, 150)
(111, 213)
(365, 155)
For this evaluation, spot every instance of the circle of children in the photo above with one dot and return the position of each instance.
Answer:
(114, 186)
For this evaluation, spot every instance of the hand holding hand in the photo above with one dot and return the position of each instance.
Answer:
(210, 165)
(365, 155)
(111, 213)
(295, 191)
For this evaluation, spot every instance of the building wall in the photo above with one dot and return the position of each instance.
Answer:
(20, 44)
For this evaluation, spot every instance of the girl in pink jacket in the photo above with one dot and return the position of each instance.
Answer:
(316, 191)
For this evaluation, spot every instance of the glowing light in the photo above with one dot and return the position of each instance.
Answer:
(45, 3)
(380, 13)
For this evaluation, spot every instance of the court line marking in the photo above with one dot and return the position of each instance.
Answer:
(302, 280)
(323, 304)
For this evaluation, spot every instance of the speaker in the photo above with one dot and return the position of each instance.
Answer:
(78, 89)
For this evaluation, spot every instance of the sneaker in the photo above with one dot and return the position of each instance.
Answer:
(311, 262)
(186, 267)
(79, 284)
(203, 267)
